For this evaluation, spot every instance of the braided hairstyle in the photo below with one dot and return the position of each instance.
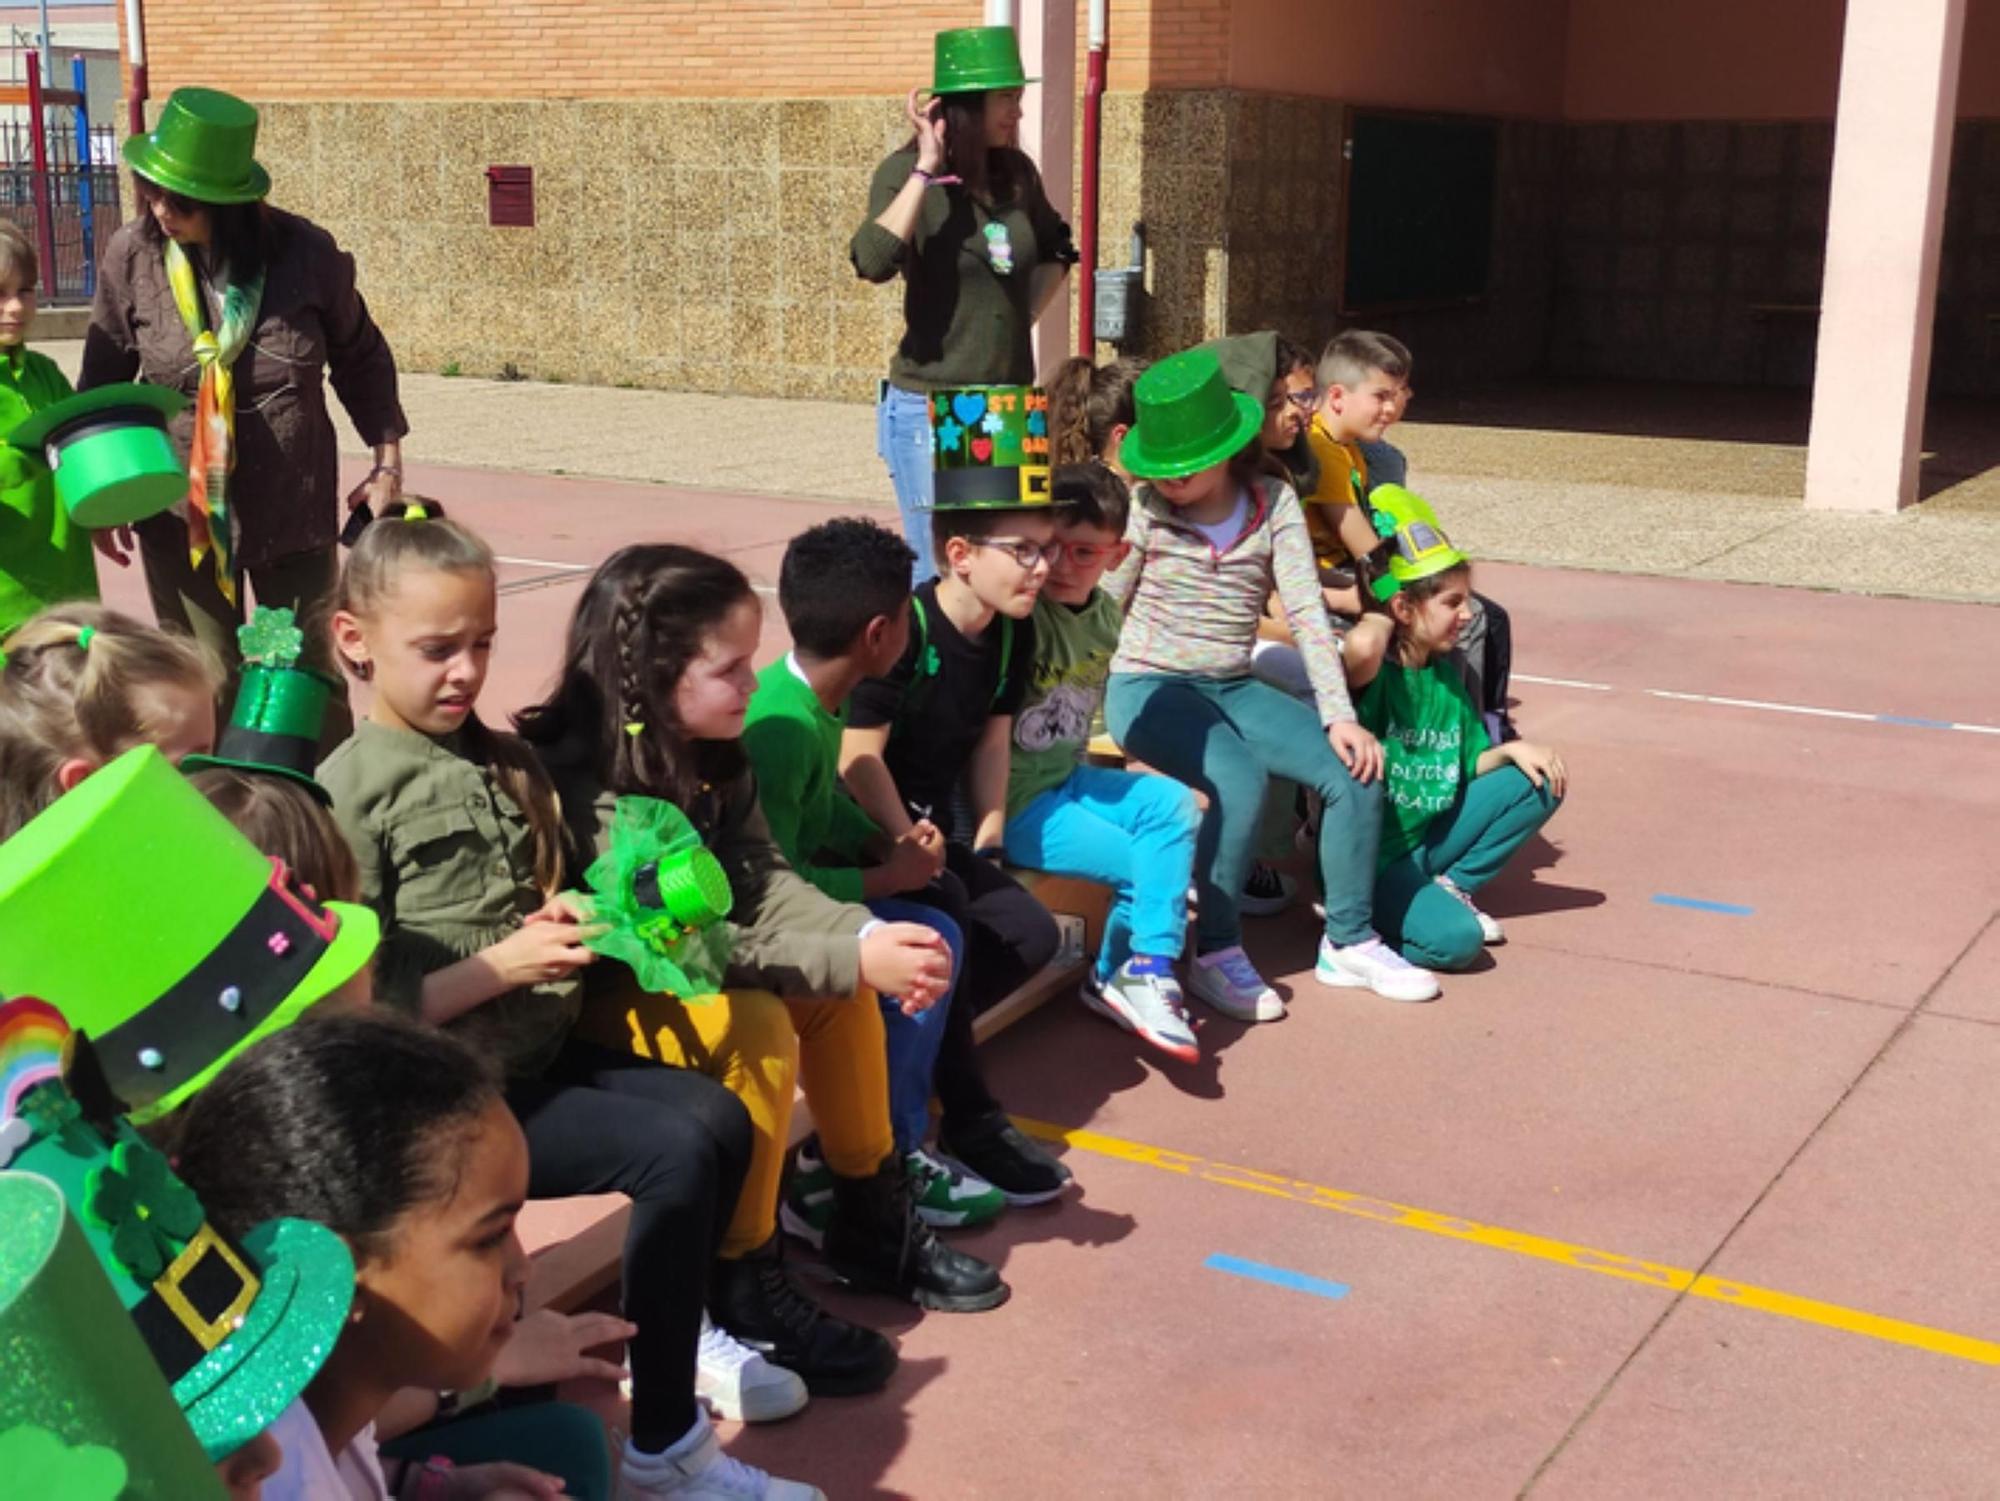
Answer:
(1086, 402)
(412, 536)
(645, 615)
(73, 686)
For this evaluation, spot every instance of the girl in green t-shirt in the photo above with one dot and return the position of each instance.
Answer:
(1457, 807)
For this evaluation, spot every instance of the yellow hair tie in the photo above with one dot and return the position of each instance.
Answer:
(635, 728)
(415, 512)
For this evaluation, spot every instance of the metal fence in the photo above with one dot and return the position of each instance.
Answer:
(54, 161)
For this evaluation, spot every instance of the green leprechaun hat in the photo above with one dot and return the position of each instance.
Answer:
(989, 448)
(659, 898)
(113, 460)
(1418, 547)
(203, 147)
(975, 59)
(237, 1329)
(199, 944)
(1188, 418)
(85, 1413)
(280, 706)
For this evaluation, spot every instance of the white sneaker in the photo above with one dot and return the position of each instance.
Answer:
(1374, 966)
(1144, 998)
(1266, 892)
(696, 1469)
(1229, 982)
(1490, 930)
(739, 1384)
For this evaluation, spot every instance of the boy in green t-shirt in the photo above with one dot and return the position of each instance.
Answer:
(44, 556)
(1457, 806)
(1133, 833)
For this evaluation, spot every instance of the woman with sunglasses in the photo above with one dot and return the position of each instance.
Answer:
(247, 310)
(959, 213)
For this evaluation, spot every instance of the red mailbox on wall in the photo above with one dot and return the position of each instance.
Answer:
(510, 197)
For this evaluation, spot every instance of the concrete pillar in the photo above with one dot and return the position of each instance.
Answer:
(1891, 157)
(1048, 134)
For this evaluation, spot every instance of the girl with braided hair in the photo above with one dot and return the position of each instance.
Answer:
(459, 841)
(650, 704)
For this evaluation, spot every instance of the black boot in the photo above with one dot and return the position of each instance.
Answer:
(876, 1241)
(756, 1302)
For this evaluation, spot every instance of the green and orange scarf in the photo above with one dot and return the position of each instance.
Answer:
(210, 521)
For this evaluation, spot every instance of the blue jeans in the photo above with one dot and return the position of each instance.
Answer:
(1133, 833)
(903, 439)
(1469, 842)
(1226, 738)
(913, 1041)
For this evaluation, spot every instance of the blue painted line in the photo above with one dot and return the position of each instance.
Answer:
(1696, 904)
(1915, 723)
(1277, 1276)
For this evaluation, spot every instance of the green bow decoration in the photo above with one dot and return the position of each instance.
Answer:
(41, 1464)
(148, 1211)
(271, 637)
(660, 897)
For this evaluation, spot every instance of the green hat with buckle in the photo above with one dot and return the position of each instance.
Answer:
(85, 1414)
(976, 59)
(989, 448)
(1188, 418)
(1417, 545)
(203, 147)
(113, 459)
(280, 706)
(236, 1328)
(199, 944)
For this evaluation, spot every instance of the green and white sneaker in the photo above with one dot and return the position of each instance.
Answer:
(950, 1198)
(807, 1206)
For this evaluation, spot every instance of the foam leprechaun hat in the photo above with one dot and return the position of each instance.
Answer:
(990, 448)
(280, 706)
(235, 1329)
(114, 462)
(1417, 545)
(975, 59)
(659, 898)
(132, 906)
(85, 1413)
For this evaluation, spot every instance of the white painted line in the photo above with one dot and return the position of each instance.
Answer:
(1758, 703)
(1522, 677)
(571, 567)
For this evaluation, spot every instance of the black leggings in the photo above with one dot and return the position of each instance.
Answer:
(677, 1144)
(1008, 937)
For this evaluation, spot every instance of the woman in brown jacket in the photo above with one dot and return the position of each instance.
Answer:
(245, 309)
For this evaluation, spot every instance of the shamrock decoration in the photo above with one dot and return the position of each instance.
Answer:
(54, 1114)
(41, 1464)
(948, 434)
(271, 638)
(993, 423)
(1385, 524)
(149, 1212)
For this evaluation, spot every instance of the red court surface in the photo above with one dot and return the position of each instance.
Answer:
(1690, 1192)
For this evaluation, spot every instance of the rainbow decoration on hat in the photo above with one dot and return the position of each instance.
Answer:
(31, 1041)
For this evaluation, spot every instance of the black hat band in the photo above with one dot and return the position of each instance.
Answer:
(197, 1302)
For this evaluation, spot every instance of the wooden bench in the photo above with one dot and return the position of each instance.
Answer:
(576, 1244)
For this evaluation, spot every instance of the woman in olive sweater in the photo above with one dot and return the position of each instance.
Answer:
(959, 213)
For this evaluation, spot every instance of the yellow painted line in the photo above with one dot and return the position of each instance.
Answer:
(1520, 1243)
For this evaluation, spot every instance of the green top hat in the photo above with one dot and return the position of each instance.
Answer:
(1418, 546)
(659, 897)
(84, 1412)
(974, 59)
(204, 148)
(237, 1330)
(198, 944)
(280, 706)
(113, 460)
(1188, 418)
(989, 447)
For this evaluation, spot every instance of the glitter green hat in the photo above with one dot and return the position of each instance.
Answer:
(85, 1414)
(280, 706)
(976, 59)
(660, 898)
(237, 1329)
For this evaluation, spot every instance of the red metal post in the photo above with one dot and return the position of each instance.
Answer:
(1093, 124)
(38, 135)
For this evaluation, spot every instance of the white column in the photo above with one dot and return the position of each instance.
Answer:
(1048, 134)
(1891, 158)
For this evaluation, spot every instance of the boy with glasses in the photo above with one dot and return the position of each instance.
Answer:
(1133, 833)
(940, 722)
